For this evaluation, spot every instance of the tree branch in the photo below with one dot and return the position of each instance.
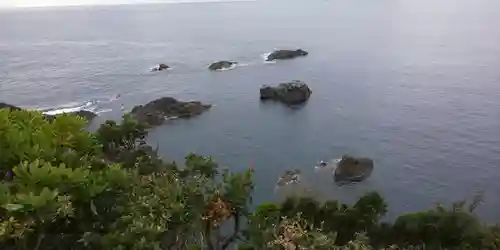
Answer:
(236, 230)
(208, 235)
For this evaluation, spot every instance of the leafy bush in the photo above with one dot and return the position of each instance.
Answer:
(66, 188)
(52, 193)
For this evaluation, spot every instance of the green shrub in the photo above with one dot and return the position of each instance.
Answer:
(66, 188)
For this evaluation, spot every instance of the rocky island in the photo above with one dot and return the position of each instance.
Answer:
(286, 54)
(156, 112)
(222, 65)
(353, 169)
(294, 92)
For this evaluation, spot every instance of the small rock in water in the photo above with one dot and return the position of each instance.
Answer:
(289, 177)
(353, 169)
(294, 92)
(286, 54)
(161, 67)
(321, 165)
(221, 65)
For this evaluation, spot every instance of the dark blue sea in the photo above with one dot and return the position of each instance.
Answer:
(413, 84)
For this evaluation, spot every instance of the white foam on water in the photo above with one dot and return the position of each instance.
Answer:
(331, 165)
(326, 169)
(66, 105)
(155, 69)
(233, 66)
(168, 118)
(62, 111)
(265, 56)
(103, 111)
(115, 98)
(89, 105)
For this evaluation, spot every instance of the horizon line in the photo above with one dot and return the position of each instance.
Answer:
(24, 7)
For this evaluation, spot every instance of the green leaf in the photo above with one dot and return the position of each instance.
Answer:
(13, 207)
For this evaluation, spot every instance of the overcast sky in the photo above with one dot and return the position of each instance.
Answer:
(29, 3)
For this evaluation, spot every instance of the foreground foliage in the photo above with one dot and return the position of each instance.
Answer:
(66, 188)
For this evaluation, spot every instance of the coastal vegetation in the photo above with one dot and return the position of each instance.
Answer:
(63, 187)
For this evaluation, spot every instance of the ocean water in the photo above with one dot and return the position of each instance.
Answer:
(413, 84)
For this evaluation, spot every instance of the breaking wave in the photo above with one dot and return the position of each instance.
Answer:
(96, 106)
(330, 165)
(264, 57)
(70, 107)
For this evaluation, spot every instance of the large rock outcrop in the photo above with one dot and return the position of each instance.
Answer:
(88, 115)
(286, 54)
(353, 169)
(165, 108)
(222, 65)
(294, 92)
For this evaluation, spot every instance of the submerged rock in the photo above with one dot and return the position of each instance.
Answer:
(294, 92)
(157, 111)
(161, 67)
(221, 65)
(286, 54)
(289, 177)
(352, 169)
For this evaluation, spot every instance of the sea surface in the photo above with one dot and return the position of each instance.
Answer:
(413, 84)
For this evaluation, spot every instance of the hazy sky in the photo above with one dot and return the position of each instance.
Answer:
(29, 3)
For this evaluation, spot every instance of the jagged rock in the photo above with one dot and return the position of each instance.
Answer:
(159, 110)
(286, 54)
(83, 113)
(294, 92)
(352, 169)
(161, 67)
(220, 65)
